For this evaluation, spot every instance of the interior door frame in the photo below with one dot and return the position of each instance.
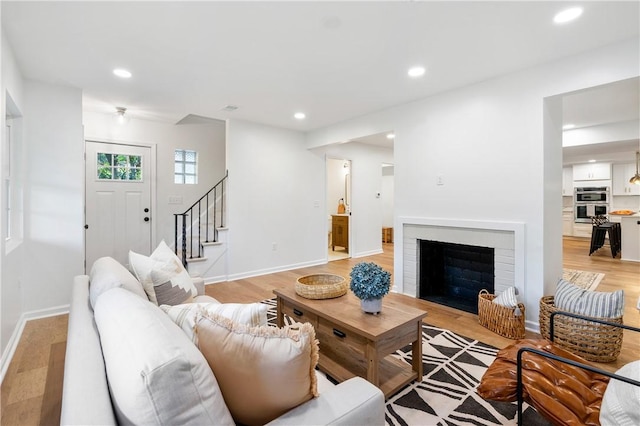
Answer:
(152, 185)
(326, 190)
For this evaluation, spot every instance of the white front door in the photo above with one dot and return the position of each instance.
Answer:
(118, 201)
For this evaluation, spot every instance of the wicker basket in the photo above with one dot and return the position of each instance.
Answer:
(321, 286)
(590, 340)
(500, 319)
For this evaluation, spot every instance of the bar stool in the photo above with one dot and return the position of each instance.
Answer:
(602, 227)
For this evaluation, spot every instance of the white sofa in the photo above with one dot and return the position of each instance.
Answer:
(88, 397)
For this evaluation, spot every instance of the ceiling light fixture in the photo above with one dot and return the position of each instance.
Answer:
(417, 71)
(120, 111)
(568, 126)
(390, 136)
(635, 179)
(567, 15)
(299, 115)
(122, 73)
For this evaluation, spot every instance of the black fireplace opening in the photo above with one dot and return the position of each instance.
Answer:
(453, 274)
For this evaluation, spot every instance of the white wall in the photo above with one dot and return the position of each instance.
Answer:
(10, 263)
(488, 143)
(387, 196)
(208, 140)
(54, 187)
(276, 195)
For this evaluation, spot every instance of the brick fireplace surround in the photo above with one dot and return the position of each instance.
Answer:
(507, 238)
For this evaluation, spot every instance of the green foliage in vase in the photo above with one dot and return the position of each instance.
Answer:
(369, 281)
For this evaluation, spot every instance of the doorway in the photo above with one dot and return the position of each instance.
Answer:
(338, 208)
(118, 201)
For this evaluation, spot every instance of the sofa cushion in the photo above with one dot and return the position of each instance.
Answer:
(597, 304)
(163, 277)
(263, 371)
(107, 273)
(155, 374)
(185, 315)
(621, 401)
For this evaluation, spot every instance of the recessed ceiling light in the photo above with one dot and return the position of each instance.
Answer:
(568, 126)
(299, 115)
(567, 15)
(122, 73)
(391, 136)
(416, 71)
(592, 161)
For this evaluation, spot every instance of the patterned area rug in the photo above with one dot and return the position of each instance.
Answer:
(453, 366)
(587, 280)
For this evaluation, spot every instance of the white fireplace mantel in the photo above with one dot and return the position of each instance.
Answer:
(400, 263)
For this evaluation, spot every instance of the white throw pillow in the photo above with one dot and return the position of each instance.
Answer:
(621, 401)
(155, 374)
(162, 276)
(186, 315)
(507, 298)
(107, 273)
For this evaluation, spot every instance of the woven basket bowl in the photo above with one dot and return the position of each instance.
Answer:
(592, 341)
(321, 286)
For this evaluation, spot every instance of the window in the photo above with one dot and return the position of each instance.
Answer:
(186, 167)
(7, 180)
(119, 167)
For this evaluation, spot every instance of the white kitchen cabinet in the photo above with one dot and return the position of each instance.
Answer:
(582, 230)
(592, 171)
(630, 230)
(621, 175)
(567, 181)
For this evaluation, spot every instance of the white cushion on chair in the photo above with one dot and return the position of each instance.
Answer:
(621, 401)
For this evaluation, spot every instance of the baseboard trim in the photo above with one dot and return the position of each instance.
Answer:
(283, 268)
(367, 253)
(12, 345)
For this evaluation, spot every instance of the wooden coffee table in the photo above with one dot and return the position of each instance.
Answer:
(353, 343)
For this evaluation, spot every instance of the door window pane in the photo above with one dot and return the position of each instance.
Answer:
(119, 167)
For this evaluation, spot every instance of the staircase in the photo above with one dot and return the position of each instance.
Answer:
(201, 234)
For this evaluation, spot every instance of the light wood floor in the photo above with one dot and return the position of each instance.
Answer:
(32, 388)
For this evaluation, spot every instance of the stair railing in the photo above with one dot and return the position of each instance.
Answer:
(191, 221)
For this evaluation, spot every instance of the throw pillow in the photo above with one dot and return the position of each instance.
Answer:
(107, 273)
(155, 374)
(621, 400)
(163, 277)
(507, 298)
(186, 315)
(597, 304)
(263, 371)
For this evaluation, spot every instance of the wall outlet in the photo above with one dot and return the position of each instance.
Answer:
(316, 203)
(274, 246)
(439, 180)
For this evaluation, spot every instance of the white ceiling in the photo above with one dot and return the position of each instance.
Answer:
(332, 60)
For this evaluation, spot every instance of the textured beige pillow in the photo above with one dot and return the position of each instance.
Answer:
(162, 276)
(186, 315)
(263, 371)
